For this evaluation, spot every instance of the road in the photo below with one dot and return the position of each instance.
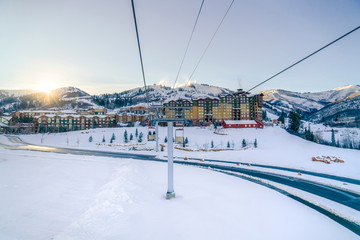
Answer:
(347, 198)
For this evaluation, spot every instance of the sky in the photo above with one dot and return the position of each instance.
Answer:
(92, 44)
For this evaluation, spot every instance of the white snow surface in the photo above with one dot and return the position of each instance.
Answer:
(63, 197)
(275, 146)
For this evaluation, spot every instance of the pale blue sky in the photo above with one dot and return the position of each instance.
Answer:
(92, 44)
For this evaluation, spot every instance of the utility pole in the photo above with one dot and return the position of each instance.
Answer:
(170, 192)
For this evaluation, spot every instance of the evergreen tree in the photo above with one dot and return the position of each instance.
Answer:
(255, 143)
(186, 140)
(228, 144)
(295, 120)
(126, 137)
(131, 137)
(136, 133)
(90, 139)
(309, 135)
(264, 115)
(140, 137)
(111, 140)
(333, 142)
(243, 143)
(212, 144)
(103, 140)
(165, 140)
(282, 117)
(113, 137)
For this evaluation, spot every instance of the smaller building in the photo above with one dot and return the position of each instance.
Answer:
(242, 124)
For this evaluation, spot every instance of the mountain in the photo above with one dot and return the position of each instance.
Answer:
(16, 93)
(338, 106)
(157, 94)
(64, 98)
(282, 100)
(341, 113)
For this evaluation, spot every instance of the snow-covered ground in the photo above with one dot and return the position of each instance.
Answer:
(62, 196)
(275, 147)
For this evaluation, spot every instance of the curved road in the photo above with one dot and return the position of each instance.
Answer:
(344, 197)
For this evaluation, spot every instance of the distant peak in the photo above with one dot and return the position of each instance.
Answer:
(345, 87)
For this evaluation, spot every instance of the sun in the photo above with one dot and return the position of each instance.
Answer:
(46, 87)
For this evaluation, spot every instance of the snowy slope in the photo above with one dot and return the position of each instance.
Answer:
(56, 196)
(16, 93)
(160, 93)
(349, 107)
(282, 100)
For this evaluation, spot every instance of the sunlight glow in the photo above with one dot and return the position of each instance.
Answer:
(46, 87)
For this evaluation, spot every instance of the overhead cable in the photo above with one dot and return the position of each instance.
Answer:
(139, 47)
(188, 44)
(327, 45)
(212, 38)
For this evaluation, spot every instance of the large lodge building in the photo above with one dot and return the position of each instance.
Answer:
(202, 111)
(238, 106)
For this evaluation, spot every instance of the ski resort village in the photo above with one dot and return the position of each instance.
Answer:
(181, 120)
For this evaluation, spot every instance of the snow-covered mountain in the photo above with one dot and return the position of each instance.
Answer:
(16, 93)
(159, 93)
(345, 112)
(69, 93)
(64, 98)
(282, 100)
(342, 102)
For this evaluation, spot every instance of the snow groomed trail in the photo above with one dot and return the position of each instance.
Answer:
(341, 196)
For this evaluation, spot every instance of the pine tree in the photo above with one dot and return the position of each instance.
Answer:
(295, 120)
(136, 133)
(103, 140)
(140, 137)
(90, 139)
(126, 137)
(243, 143)
(165, 140)
(212, 144)
(186, 140)
(255, 143)
(333, 142)
(228, 144)
(131, 137)
(309, 135)
(282, 117)
(113, 137)
(111, 140)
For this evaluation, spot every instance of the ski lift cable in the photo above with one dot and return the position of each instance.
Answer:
(139, 47)
(188, 44)
(208, 45)
(327, 45)
(212, 38)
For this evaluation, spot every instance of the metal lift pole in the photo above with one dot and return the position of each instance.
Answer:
(170, 192)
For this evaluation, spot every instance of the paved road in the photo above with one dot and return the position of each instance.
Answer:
(344, 197)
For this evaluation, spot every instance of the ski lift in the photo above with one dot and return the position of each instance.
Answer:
(179, 133)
